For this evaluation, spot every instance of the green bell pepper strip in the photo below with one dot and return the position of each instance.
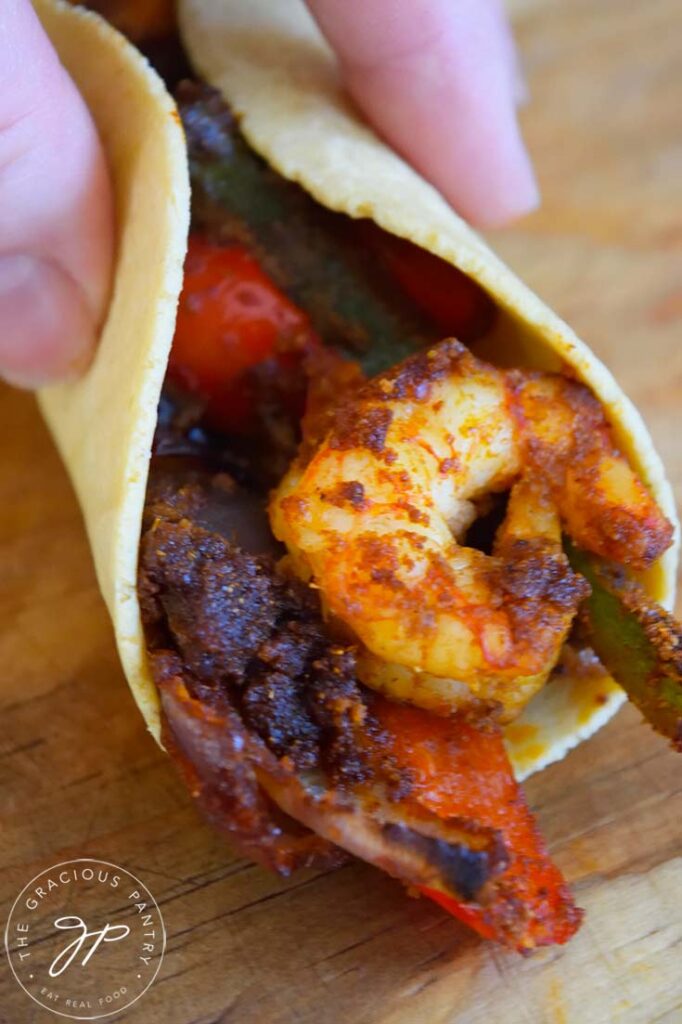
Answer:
(636, 640)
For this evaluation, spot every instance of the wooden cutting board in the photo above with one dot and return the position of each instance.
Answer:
(80, 776)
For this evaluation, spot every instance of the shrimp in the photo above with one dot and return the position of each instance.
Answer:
(604, 506)
(376, 517)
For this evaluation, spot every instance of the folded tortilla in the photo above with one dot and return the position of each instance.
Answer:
(269, 61)
(104, 424)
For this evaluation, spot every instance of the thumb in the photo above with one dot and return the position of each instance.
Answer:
(56, 216)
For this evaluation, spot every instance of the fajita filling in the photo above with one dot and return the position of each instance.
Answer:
(351, 567)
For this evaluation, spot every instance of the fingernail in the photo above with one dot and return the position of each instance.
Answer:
(46, 329)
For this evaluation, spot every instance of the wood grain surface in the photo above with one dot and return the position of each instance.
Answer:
(79, 776)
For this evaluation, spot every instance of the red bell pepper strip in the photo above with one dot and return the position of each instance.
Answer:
(459, 770)
(458, 306)
(231, 321)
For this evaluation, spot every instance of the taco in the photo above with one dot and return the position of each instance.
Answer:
(330, 540)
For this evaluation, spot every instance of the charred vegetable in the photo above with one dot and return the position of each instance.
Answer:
(459, 771)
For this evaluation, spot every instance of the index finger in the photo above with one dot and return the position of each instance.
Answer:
(435, 78)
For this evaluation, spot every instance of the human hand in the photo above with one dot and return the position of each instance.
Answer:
(438, 78)
(56, 220)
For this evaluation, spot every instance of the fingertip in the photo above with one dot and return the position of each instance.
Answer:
(47, 332)
(496, 198)
(441, 83)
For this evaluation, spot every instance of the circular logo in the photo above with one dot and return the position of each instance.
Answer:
(85, 939)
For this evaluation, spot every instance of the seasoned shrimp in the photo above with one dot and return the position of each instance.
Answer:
(377, 518)
(604, 506)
